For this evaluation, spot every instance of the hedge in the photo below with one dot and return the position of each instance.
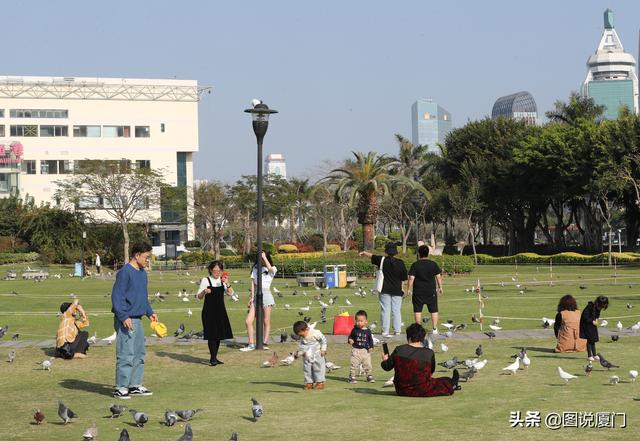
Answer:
(18, 257)
(560, 258)
(287, 248)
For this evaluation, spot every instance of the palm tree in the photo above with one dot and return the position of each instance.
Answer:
(364, 179)
(578, 107)
(411, 158)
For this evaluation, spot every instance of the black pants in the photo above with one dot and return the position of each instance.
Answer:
(80, 344)
(214, 345)
(591, 348)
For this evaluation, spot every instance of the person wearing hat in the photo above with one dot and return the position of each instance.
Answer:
(71, 342)
(395, 276)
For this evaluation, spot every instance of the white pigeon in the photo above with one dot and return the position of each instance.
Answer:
(179, 294)
(287, 361)
(323, 304)
(276, 290)
(189, 312)
(513, 279)
(548, 320)
(388, 383)
(565, 375)
(255, 102)
(192, 282)
(287, 306)
(347, 302)
(376, 341)
(185, 299)
(110, 339)
(331, 366)
(513, 367)
(430, 343)
(479, 365)
(520, 292)
(636, 327)
(619, 325)
(495, 328)
(518, 286)
(186, 273)
(235, 297)
(633, 374)
(496, 321)
(46, 364)
(443, 347)
(447, 325)
(614, 379)
(93, 339)
(526, 362)
(373, 326)
(469, 363)
(304, 308)
(91, 432)
(604, 323)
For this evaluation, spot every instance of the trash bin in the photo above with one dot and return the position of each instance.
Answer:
(77, 269)
(330, 276)
(342, 278)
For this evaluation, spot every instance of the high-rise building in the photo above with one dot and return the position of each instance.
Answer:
(275, 165)
(430, 124)
(611, 80)
(50, 126)
(520, 106)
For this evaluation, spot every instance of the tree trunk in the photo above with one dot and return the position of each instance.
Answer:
(473, 240)
(367, 237)
(216, 244)
(610, 233)
(247, 234)
(125, 235)
(292, 226)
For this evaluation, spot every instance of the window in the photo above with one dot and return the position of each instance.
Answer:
(116, 131)
(162, 127)
(89, 202)
(2, 130)
(23, 130)
(65, 167)
(48, 167)
(29, 166)
(181, 168)
(86, 131)
(143, 163)
(1, 113)
(142, 132)
(38, 113)
(54, 130)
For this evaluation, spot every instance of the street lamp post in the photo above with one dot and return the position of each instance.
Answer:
(260, 113)
(82, 271)
(619, 240)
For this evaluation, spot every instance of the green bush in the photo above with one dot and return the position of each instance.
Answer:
(227, 252)
(333, 248)
(192, 244)
(380, 242)
(287, 248)
(17, 257)
(200, 257)
(269, 247)
(560, 258)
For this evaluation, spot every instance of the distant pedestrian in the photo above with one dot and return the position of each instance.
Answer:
(129, 300)
(589, 324)
(425, 286)
(98, 263)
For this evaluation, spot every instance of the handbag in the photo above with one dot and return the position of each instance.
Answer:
(379, 277)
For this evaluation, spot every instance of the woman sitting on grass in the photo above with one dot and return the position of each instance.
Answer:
(567, 326)
(71, 342)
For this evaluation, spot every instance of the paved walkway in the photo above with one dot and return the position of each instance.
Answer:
(473, 335)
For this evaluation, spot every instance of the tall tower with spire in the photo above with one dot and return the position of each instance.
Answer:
(612, 80)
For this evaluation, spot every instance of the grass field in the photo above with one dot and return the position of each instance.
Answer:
(364, 411)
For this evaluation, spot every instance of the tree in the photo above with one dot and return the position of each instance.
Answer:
(12, 209)
(363, 180)
(120, 192)
(55, 233)
(213, 208)
(243, 193)
(323, 209)
(465, 200)
(579, 107)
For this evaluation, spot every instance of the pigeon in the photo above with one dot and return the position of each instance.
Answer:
(605, 363)
(272, 362)
(604, 323)
(449, 364)
(490, 334)
(447, 325)
(15, 337)
(588, 368)
(373, 326)
(38, 416)
(189, 312)
(461, 326)
(186, 415)
(443, 347)
(93, 339)
(117, 410)
(633, 374)
(629, 306)
(614, 379)
(139, 417)
(547, 322)
(331, 366)
(619, 326)
(526, 362)
(283, 338)
(287, 306)
(179, 331)
(170, 418)
(185, 299)
(448, 334)
(513, 367)
(388, 383)
(496, 321)
(495, 328)
(110, 339)
(475, 319)
(187, 435)
(65, 413)
(3, 330)
(234, 436)
(91, 432)
(11, 356)
(347, 302)
(582, 287)
(480, 364)
(615, 338)
(468, 374)
(256, 409)
(635, 327)
(288, 361)
(124, 435)
(565, 375)
(46, 364)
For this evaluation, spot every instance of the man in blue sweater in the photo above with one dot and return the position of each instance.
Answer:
(129, 304)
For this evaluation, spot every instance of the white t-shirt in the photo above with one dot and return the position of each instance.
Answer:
(97, 260)
(204, 283)
(267, 277)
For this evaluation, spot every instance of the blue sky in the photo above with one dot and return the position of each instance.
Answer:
(343, 74)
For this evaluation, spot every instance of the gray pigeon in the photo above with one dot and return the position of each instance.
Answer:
(234, 436)
(179, 331)
(450, 364)
(65, 413)
(3, 330)
(468, 374)
(588, 368)
(139, 417)
(256, 409)
(187, 435)
(117, 410)
(186, 415)
(124, 435)
(170, 418)
(11, 356)
(479, 351)
(605, 363)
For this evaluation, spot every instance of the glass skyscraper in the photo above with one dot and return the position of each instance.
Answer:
(430, 124)
(520, 106)
(611, 80)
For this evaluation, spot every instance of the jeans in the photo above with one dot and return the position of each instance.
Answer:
(314, 369)
(130, 352)
(390, 306)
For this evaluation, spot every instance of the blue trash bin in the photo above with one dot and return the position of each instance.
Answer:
(331, 276)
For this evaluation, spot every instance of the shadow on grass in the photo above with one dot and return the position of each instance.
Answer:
(253, 420)
(279, 383)
(364, 390)
(548, 350)
(49, 352)
(87, 386)
(183, 357)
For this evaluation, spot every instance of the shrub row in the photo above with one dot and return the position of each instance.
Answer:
(561, 258)
(18, 257)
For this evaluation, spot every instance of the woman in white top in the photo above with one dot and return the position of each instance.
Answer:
(268, 273)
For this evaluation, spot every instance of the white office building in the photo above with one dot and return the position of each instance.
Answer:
(275, 165)
(49, 125)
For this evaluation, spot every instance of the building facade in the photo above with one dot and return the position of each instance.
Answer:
(430, 124)
(275, 165)
(48, 126)
(612, 80)
(519, 106)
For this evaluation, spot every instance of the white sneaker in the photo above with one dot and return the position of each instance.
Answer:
(385, 335)
(434, 331)
(248, 348)
(590, 358)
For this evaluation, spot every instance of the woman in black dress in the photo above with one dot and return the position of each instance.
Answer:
(589, 324)
(215, 320)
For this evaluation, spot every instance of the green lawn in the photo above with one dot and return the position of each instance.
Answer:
(343, 411)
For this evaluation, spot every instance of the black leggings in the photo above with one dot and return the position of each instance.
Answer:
(214, 345)
(591, 348)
